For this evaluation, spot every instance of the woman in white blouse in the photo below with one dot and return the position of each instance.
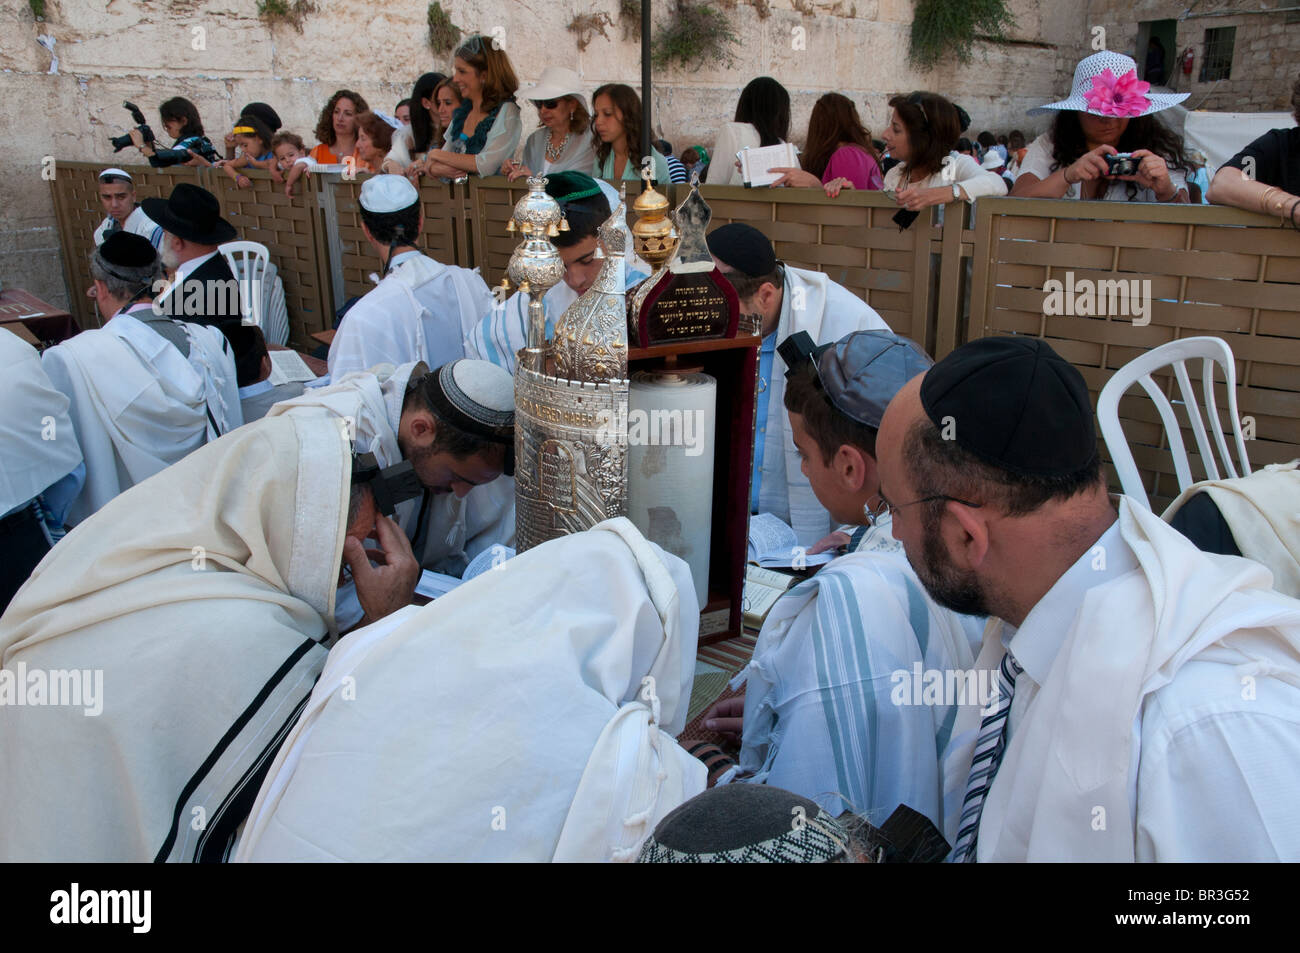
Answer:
(485, 128)
(923, 130)
(561, 144)
(762, 119)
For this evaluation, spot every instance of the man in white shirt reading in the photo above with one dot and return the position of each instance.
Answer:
(1149, 703)
(421, 310)
(833, 708)
(788, 300)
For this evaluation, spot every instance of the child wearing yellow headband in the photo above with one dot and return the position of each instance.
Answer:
(254, 141)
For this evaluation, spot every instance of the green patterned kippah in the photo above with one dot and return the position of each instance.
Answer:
(571, 186)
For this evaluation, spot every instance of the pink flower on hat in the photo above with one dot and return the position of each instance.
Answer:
(1113, 95)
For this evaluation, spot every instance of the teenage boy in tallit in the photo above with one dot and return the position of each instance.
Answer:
(499, 335)
(421, 309)
(122, 212)
(1150, 693)
(788, 300)
(834, 709)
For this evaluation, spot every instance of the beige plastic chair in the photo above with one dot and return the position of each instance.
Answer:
(1210, 351)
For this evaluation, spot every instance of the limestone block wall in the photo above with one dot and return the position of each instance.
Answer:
(219, 54)
(1266, 51)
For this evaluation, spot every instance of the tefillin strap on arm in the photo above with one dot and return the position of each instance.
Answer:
(390, 485)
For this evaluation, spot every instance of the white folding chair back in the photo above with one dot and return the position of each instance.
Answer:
(1210, 351)
(248, 260)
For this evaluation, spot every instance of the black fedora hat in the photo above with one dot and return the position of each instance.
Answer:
(191, 213)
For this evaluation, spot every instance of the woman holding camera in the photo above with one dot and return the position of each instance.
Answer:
(1105, 142)
(180, 119)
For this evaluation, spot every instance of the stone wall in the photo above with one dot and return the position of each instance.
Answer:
(1266, 51)
(220, 55)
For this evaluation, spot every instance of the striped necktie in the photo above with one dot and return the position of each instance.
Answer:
(989, 747)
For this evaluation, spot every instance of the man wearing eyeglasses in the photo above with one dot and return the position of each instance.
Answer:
(835, 707)
(1149, 693)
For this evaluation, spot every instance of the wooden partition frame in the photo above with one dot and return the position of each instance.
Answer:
(1212, 271)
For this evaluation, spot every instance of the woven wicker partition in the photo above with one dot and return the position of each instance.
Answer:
(291, 228)
(1212, 271)
(75, 187)
(852, 239)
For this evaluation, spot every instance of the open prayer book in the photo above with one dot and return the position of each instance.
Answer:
(288, 366)
(756, 164)
(773, 543)
(762, 588)
(435, 584)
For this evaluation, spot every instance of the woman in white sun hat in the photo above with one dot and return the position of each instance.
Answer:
(561, 143)
(1109, 112)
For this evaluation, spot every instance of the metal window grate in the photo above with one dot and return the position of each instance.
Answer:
(1216, 64)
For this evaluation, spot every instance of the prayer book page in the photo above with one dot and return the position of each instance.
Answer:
(287, 366)
(773, 543)
(755, 164)
(435, 584)
(763, 587)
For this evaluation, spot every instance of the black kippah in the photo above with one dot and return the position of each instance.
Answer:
(1014, 403)
(127, 250)
(744, 248)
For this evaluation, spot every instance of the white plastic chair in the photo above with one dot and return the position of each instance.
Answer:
(248, 260)
(1211, 351)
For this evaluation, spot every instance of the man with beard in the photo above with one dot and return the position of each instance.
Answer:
(1149, 703)
(203, 288)
(834, 709)
(456, 427)
(143, 390)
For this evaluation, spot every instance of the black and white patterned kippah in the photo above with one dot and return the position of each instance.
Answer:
(745, 824)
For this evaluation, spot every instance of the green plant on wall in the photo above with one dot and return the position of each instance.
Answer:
(443, 34)
(943, 28)
(585, 26)
(696, 34)
(292, 12)
(38, 8)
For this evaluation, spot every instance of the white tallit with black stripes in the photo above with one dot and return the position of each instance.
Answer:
(205, 595)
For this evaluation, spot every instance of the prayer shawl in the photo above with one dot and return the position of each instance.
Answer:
(420, 312)
(528, 715)
(1263, 513)
(138, 404)
(137, 223)
(1076, 749)
(834, 706)
(811, 302)
(204, 596)
(38, 446)
(455, 529)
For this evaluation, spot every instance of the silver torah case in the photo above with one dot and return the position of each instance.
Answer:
(571, 426)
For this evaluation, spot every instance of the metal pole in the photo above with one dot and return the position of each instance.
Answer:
(645, 79)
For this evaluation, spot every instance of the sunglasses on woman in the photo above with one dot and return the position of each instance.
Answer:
(546, 103)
